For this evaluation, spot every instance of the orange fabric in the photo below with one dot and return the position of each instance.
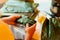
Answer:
(5, 32)
(36, 35)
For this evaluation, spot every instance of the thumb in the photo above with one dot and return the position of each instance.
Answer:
(33, 26)
(15, 16)
(27, 25)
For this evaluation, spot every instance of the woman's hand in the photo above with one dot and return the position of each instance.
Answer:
(10, 20)
(29, 31)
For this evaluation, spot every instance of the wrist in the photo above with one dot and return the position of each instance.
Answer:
(28, 36)
(5, 20)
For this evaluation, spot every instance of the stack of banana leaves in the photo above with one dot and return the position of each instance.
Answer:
(20, 7)
(25, 19)
(13, 6)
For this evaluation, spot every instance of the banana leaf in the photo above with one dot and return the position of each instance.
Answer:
(54, 28)
(45, 30)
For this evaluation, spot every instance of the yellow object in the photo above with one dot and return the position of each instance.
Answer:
(5, 32)
(41, 19)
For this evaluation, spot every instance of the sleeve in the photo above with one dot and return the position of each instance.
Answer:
(5, 32)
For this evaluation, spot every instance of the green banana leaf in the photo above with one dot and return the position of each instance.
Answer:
(54, 28)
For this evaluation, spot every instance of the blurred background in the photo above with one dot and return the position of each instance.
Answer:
(43, 4)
